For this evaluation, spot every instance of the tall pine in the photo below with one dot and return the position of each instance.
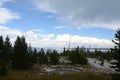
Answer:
(116, 41)
(1, 48)
(7, 49)
(32, 55)
(42, 57)
(54, 58)
(116, 64)
(2, 58)
(20, 58)
(77, 56)
(35, 60)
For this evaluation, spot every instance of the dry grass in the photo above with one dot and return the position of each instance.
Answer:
(32, 74)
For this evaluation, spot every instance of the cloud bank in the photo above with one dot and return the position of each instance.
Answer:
(84, 13)
(55, 41)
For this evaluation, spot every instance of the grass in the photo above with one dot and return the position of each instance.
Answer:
(32, 74)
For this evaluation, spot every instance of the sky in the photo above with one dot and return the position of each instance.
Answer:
(55, 23)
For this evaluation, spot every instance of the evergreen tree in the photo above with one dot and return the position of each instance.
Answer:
(3, 70)
(20, 58)
(42, 57)
(48, 52)
(65, 54)
(117, 50)
(32, 55)
(77, 56)
(108, 55)
(73, 57)
(116, 65)
(35, 56)
(54, 58)
(7, 49)
(1, 48)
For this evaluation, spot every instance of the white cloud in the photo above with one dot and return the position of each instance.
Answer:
(7, 15)
(37, 30)
(59, 27)
(84, 13)
(55, 41)
(64, 37)
(7, 31)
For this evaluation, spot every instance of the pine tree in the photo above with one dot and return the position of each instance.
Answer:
(20, 57)
(7, 49)
(2, 58)
(116, 65)
(117, 50)
(48, 52)
(35, 56)
(65, 54)
(1, 47)
(42, 57)
(54, 58)
(77, 56)
(30, 53)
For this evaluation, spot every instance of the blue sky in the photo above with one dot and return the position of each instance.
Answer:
(51, 23)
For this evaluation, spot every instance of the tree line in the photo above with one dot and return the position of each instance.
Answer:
(21, 56)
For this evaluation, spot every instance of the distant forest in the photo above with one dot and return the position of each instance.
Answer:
(22, 56)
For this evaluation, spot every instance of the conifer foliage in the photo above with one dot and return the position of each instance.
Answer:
(116, 64)
(5, 50)
(42, 57)
(77, 56)
(116, 41)
(20, 58)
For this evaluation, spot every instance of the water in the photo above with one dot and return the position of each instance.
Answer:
(61, 72)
